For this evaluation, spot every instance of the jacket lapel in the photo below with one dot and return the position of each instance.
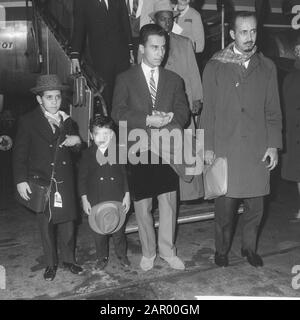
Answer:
(43, 126)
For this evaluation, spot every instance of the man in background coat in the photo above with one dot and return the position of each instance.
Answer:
(105, 24)
(180, 58)
(136, 103)
(242, 121)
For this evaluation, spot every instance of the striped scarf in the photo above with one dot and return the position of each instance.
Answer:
(229, 56)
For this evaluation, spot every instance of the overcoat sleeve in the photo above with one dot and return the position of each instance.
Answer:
(180, 107)
(196, 85)
(209, 106)
(273, 112)
(79, 28)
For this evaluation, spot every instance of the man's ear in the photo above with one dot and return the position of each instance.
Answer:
(232, 34)
(39, 100)
(141, 49)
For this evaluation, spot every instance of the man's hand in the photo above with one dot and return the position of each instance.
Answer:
(126, 202)
(197, 107)
(75, 66)
(86, 205)
(272, 154)
(24, 190)
(70, 141)
(209, 157)
(157, 120)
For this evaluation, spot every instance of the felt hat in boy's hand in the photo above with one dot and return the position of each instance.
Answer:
(107, 217)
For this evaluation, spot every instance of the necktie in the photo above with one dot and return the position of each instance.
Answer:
(135, 7)
(152, 87)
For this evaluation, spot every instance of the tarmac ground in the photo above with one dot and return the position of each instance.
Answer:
(279, 246)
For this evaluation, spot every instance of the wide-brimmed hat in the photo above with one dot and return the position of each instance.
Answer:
(107, 217)
(163, 5)
(48, 82)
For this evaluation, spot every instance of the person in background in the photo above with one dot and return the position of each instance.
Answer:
(242, 121)
(189, 24)
(291, 97)
(40, 132)
(180, 58)
(138, 11)
(104, 25)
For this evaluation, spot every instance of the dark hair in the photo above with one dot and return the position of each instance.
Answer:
(101, 121)
(150, 30)
(240, 14)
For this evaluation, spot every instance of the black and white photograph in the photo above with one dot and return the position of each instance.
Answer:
(149, 153)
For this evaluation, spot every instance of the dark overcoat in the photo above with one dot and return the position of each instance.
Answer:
(291, 154)
(132, 103)
(33, 156)
(108, 34)
(241, 118)
(101, 181)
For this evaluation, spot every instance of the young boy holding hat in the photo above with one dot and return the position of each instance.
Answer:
(42, 151)
(103, 187)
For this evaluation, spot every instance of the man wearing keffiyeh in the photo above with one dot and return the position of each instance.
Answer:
(241, 119)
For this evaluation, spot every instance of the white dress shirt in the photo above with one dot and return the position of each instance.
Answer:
(147, 73)
(139, 8)
(106, 1)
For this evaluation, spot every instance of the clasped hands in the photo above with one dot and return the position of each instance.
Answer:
(159, 119)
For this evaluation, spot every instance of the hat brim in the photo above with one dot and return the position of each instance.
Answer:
(36, 90)
(96, 208)
(152, 14)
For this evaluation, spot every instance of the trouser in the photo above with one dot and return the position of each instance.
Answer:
(225, 209)
(167, 224)
(102, 243)
(49, 234)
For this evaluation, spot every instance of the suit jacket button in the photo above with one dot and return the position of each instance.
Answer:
(64, 163)
(52, 164)
(101, 178)
(237, 84)
(50, 145)
(112, 178)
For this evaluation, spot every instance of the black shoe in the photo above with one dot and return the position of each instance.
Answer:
(221, 260)
(50, 273)
(102, 263)
(124, 262)
(254, 259)
(74, 268)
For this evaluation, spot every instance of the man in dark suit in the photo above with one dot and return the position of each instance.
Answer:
(105, 24)
(147, 96)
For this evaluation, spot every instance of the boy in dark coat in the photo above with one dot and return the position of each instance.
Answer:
(39, 134)
(100, 180)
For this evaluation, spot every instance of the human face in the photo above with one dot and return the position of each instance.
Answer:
(245, 34)
(182, 4)
(153, 51)
(165, 20)
(102, 136)
(50, 100)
